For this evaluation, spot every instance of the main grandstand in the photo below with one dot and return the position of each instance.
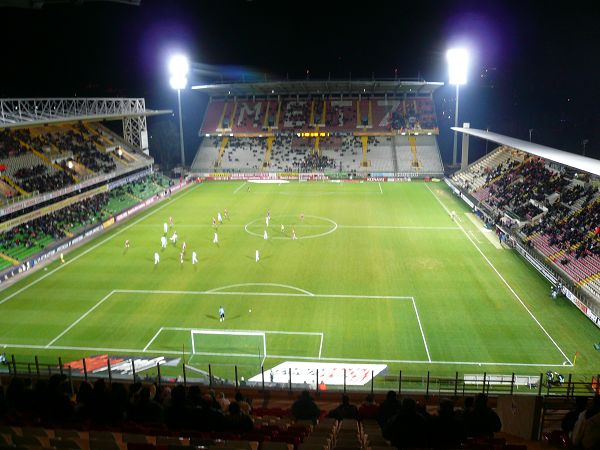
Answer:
(357, 127)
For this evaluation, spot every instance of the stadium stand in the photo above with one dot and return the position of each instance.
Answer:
(59, 414)
(31, 237)
(554, 212)
(376, 114)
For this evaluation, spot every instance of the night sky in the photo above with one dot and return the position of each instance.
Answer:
(535, 65)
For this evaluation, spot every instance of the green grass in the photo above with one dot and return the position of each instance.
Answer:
(383, 275)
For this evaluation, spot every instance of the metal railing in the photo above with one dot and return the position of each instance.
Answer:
(132, 370)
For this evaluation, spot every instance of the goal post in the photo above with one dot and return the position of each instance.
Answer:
(229, 343)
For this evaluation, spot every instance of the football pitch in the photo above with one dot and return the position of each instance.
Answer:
(379, 274)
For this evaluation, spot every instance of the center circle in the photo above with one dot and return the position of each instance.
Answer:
(294, 221)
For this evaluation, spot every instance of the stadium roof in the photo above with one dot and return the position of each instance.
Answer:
(326, 87)
(30, 112)
(584, 163)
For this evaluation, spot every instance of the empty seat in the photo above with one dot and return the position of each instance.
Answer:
(66, 434)
(65, 443)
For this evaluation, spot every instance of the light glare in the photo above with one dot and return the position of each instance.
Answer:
(178, 82)
(179, 66)
(458, 65)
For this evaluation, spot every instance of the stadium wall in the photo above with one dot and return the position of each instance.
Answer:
(540, 266)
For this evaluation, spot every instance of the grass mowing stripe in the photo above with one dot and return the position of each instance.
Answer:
(116, 233)
(503, 279)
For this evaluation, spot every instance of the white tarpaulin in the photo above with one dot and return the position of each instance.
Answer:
(329, 373)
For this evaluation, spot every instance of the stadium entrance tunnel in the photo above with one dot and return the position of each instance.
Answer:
(305, 227)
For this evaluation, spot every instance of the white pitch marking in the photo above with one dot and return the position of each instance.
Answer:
(153, 338)
(261, 284)
(239, 187)
(503, 280)
(94, 247)
(304, 333)
(310, 236)
(421, 327)
(321, 346)
(83, 316)
(474, 237)
(179, 352)
(252, 294)
(399, 227)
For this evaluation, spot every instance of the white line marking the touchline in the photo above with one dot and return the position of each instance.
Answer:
(503, 279)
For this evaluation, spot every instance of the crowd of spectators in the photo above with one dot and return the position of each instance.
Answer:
(407, 424)
(315, 162)
(9, 146)
(54, 225)
(46, 182)
(30, 172)
(83, 147)
(532, 180)
(52, 403)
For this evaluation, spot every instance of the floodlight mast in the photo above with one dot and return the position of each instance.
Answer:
(458, 65)
(179, 67)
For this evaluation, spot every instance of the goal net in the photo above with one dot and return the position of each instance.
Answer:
(229, 343)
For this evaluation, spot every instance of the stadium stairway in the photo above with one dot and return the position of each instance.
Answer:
(323, 113)
(365, 148)
(222, 147)
(270, 140)
(13, 261)
(412, 140)
(14, 185)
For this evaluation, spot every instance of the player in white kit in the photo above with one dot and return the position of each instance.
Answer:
(265, 235)
(216, 238)
(156, 258)
(219, 218)
(194, 258)
(173, 238)
(163, 242)
(165, 228)
(257, 256)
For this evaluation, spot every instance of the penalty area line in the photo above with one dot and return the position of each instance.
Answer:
(83, 316)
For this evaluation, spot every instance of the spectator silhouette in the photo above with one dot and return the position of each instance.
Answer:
(586, 433)
(345, 410)
(407, 429)
(388, 408)
(237, 421)
(446, 429)
(369, 409)
(568, 422)
(482, 421)
(305, 408)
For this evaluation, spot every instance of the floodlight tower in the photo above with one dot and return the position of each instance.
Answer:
(458, 66)
(179, 68)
